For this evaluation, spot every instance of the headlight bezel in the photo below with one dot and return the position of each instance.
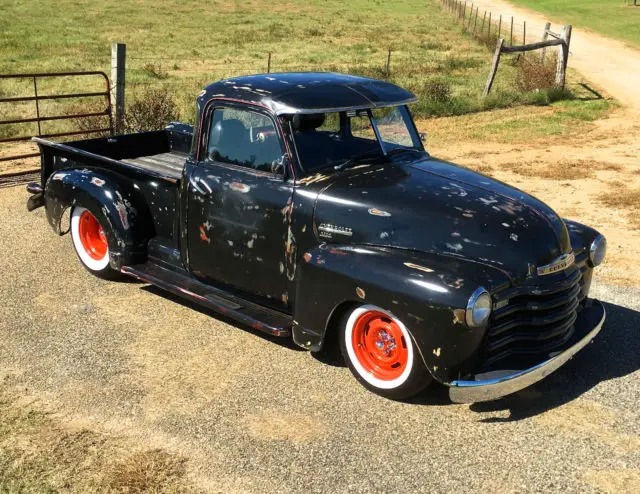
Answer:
(597, 251)
(480, 295)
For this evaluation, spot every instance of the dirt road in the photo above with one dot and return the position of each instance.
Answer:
(118, 362)
(612, 65)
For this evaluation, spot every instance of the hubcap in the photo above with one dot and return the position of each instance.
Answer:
(379, 345)
(92, 236)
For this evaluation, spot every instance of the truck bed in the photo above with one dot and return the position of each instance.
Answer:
(161, 153)
(170, 164)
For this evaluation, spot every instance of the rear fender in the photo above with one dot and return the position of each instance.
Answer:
(428, 293)
(112, 199)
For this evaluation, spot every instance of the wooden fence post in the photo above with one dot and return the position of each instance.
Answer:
(269, 63)
(500, 26)
(511, 35)
(475, 22)
(494, 67)
(489, 26)
(545, 35)
(464, 12)
(482, 27)
(388, 69)
(563, 59)
(524, 32)
(118, 68)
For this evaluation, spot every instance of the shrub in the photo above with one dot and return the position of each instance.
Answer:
(531, 74)
(437, 91)
(155, 71)
(151, 110)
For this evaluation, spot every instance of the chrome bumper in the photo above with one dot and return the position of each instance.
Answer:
(488, 387)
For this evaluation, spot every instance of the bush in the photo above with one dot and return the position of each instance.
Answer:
(151, 110)
(437, 91)
(155, 71)
(531, 74)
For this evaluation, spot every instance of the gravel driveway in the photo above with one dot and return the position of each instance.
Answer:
(253, 414)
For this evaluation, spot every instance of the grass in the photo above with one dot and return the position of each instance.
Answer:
(181, 46)
(39, 453)
(609, 17)
(623, 198)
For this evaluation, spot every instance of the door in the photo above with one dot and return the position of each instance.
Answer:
(238, 200)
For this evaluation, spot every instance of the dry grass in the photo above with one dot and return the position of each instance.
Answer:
(623, 198)
(41, 453)
(145, 471)
(560, 170)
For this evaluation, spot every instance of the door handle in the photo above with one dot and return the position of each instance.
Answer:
(201, 187)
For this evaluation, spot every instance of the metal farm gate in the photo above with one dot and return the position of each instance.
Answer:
(37, 116)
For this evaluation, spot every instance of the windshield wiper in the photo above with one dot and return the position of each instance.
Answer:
(403, 149)
(356, 159)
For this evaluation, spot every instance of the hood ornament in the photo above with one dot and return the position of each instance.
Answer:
(559, 264)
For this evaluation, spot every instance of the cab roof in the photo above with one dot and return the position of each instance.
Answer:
(308, 92)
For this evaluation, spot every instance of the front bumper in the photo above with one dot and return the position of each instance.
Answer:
(493, 385)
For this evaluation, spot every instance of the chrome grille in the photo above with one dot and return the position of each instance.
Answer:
(533, 320)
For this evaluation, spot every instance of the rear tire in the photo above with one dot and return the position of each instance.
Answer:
(90, 242)
(381, 354)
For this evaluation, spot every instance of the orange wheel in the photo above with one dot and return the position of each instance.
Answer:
(381, 354)
(90, 241)
(379, 345)
(92, 236)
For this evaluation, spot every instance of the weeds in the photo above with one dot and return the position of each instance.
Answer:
(531, 74)
(155, 71)
(151, 110)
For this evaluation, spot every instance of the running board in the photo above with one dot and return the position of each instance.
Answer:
(258, 317)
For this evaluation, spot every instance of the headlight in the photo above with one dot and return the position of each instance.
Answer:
(597, 251)
(478, 308)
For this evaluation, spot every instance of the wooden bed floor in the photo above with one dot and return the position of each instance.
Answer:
(166, 163)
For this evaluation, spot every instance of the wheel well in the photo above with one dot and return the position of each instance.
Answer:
(333, 324)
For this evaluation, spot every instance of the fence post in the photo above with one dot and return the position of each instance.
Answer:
(500, 26)
(511, 36)
(545, 35)
(464, 12)
(489, 27)
(563, 59)
(494, 67)
(118, 62)
(388, 69)
(524, 32)
(475, 22)
(482, 27)
(269, 64)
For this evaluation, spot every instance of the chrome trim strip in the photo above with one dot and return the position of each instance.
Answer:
(281, 109)
(491, 389)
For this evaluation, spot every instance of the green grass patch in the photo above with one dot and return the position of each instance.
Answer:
(612, 18)
(179, 47)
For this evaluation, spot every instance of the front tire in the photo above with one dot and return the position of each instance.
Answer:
(381, 354)
(90, 243)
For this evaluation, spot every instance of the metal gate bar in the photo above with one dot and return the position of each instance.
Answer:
(39, 118)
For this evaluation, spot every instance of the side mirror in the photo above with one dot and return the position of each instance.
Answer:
(277, 166)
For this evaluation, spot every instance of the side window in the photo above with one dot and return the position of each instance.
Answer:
(244, 138)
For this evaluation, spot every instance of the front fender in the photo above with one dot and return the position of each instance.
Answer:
(427, 292)
(115, 202)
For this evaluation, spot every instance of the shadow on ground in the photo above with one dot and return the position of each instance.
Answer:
(614, 353)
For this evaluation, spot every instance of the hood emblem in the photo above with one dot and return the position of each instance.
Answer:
(559, 264)
(327, 230)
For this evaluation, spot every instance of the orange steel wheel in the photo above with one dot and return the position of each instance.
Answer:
(380, 346)
(92, 236)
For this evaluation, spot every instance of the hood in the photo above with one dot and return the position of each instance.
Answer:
(434, 206)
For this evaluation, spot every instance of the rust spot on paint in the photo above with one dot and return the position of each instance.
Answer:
(337, 252)
(257, 325)
(379, 212)
(307, 257)
(360, 292)
(97, 181)
(417, 266)
(240, 187)
(203, 235)
(285, 297)
(458, 316)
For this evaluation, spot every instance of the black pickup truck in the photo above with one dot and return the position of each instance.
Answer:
(304, 205)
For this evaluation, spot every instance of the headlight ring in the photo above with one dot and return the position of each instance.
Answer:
(597, 251)
(478, 308)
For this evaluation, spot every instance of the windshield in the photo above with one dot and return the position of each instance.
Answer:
(330, 139)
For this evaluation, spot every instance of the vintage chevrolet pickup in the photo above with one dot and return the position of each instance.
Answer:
(304, 205)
